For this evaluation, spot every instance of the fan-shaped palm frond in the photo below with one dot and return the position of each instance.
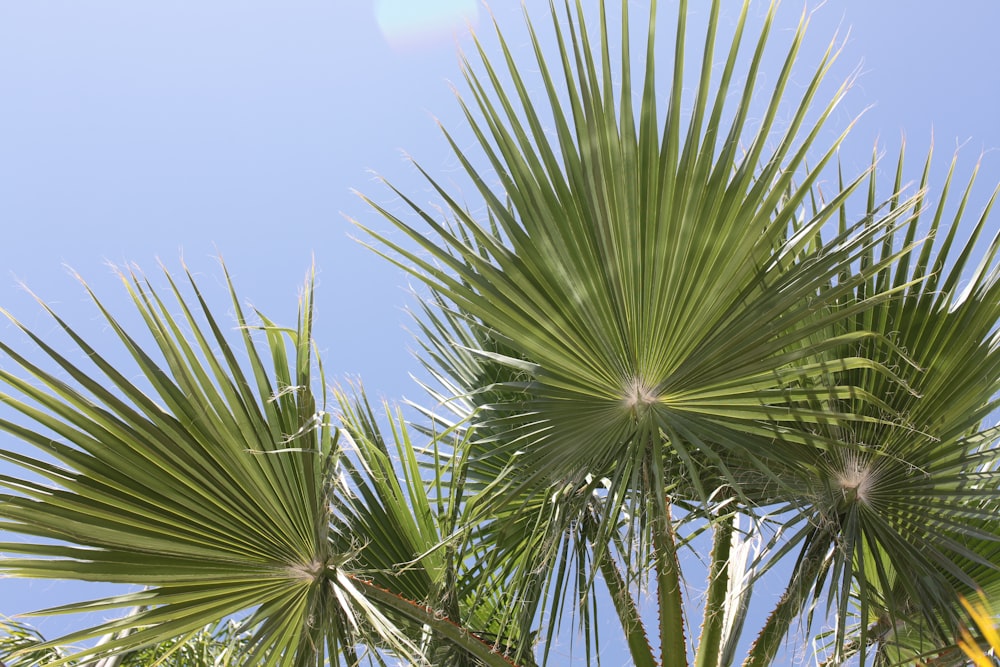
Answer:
(641, 276)
(660, 334)
(212, 487)
(646, 303)
(212, 492)
(904, 511)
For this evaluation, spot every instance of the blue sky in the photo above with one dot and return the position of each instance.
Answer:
(137, 131)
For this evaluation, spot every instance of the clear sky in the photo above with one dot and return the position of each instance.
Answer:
(132, 131)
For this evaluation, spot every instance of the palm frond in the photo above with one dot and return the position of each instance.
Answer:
(638, 279)
(23, 646)
(211, 485)
(207, 486)
(404, 513)
(905, 508)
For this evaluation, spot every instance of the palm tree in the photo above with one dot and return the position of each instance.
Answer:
(219, 486)
(652, 313)
(663, 331)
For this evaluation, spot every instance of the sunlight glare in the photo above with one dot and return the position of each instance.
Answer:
(406, 23)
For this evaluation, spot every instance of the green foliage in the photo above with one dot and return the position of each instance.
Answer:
(660, 331)
(21, 646)
(223, 645)
(226, 644)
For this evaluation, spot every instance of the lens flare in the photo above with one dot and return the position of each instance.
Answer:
(414, 23)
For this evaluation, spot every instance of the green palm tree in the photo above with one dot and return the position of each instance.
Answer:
(218, 486)
(660, 333)
(642, 305)
(919, 497)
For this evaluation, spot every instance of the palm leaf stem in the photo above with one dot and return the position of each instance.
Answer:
(713, 621)
(808, 571)
(673, 645)
(442, 626)
(635, 632)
